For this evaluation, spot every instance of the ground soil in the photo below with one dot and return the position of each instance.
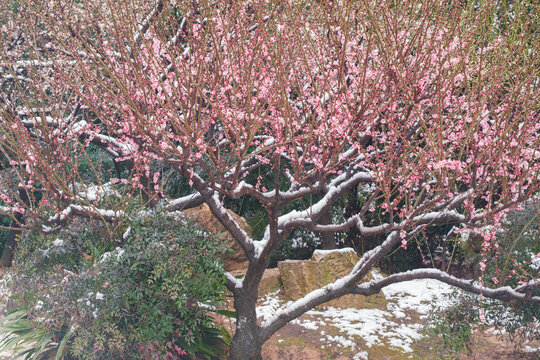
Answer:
(294, 342)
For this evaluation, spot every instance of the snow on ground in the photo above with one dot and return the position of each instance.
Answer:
(420, 295)
(531, 349)
(372, 327)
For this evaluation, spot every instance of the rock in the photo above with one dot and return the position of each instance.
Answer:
(234, 260)
(270, 282)
(300, 277)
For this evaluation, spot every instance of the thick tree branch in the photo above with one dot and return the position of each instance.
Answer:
(143, 28)
(502, 293)
(218, 210)
(185, 202)
(85, 212)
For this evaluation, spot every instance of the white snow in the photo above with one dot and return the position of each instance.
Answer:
(535, 261)
(78, 126)
(420, 295)
(101, 212)
(360, 329)
(326, 252)
(97, 192)
(362, 355)
(311, 325)
(117, 253)
(58, 242)
(342, 341)
(269, 306)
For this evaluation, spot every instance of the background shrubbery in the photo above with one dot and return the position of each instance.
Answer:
(519, 243)
(140, 295)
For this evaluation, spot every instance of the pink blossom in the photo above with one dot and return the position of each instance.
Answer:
(482, 316)
(482, 265)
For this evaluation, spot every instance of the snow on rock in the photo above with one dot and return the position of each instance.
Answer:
(326, 252)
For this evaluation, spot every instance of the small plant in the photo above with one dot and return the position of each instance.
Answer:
(26, 339)
(453, 325)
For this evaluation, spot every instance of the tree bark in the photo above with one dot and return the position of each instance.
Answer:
(443, 255)
(245, 344)
(353, 207)
(10, 245)
(328, 238)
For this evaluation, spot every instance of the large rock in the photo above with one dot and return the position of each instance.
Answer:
(270, 282)
(235, 260)
(300, 277)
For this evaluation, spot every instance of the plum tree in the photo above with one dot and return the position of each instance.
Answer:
(430, 108)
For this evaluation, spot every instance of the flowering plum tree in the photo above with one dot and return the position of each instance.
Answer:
(430, 107)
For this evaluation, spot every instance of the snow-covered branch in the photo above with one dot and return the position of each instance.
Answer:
(210, 197)
(293, 219)
(505, 293)
(185, 202)
(232, 282)
(143, 28)
(86, 211)
(331, 291)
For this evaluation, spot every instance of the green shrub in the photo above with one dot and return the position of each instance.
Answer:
(141, 295)
(453, 324)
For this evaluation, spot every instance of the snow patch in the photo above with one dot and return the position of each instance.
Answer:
(342, 341)
(311, 325)
(529, 349)
(371, 327)
(362, 355)
(421, 296)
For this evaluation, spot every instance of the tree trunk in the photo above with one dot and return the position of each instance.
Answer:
(443, 255)
(9, 249)
(245, 344)
(353, 207)
(10, 245)
(328, 238)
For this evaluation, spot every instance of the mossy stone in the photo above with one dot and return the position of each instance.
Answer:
(299, 277)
